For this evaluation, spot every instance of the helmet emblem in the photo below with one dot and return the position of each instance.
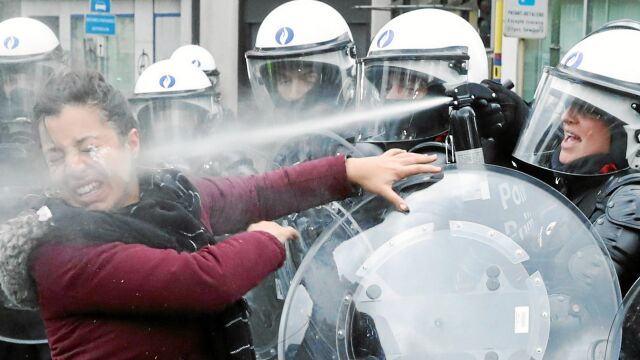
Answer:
(574, 60)
(196, 62)
(385, 38)
(167, 81)
(284, 35)
(11, 42)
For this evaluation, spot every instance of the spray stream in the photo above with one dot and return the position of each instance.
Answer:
(240, 139)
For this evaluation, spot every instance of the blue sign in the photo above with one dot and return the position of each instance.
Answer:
(101, 6)
(527, 2)
(100, 24)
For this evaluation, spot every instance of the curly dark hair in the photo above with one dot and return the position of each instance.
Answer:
(83, 88)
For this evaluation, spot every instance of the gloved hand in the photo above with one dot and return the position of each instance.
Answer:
(489, 117)
(514, 110)
(500, 115)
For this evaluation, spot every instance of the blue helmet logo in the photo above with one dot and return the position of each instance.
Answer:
(196, 62)
(574, 60)
(284, 35)
(385, 39)
(167, 81)
(11, 42)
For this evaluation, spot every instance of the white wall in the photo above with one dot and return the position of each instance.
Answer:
(379, 17)
(143, 28)
(185, 22)
(219, 23)
(510, 60)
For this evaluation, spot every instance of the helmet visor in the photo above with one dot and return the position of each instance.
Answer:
(316, 82)
(578, 128)
(390, 81)
(175, 121)
(20, 83)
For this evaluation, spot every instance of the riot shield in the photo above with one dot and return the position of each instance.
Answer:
(267, 299)
(489, 264)
(21, 326)
(624, 339)
(21, 176)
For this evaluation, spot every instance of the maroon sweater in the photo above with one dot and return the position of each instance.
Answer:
(124, 301)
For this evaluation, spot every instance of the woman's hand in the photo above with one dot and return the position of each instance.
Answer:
(377, 174)
(282, 233)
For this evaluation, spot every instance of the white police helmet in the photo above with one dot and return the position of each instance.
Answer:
(586, 115)
(26, 38)
(304, 58)
(29, 53)
(416, 55)
(200, 58)
(195, 55)
(174, 102)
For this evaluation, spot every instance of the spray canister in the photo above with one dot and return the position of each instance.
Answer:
(464, 130)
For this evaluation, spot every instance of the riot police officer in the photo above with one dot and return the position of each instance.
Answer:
(584, 128)
(302, 68)
(418, 55)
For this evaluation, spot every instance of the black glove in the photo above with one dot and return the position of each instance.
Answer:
(500, 117)
(514, 109)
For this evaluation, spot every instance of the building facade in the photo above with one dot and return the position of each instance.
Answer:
(149, 30)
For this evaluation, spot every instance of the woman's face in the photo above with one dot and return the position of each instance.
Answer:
(584, 134)
(89, 163)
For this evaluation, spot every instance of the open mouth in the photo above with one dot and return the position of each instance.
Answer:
(87, 190)
(570, 138)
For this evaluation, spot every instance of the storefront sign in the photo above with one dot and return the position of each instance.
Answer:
(100, 24)
(100, 6)
(526, 19)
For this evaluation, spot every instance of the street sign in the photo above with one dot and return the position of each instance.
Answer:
(100, 6)
(526, 19)
(100, 24)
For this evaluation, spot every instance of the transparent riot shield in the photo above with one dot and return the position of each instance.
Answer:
(267, 299)
(20, 176)
(489, 264)
(21, 326)
(624, 339)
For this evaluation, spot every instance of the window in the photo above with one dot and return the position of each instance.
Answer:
(111, 55)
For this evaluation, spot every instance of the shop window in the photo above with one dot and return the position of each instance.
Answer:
(111, 55)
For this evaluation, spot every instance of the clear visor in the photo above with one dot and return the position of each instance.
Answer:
(176, 122)
(402, 80)
(579, 129)
(20, 83)
(19, 86)
(313, 83)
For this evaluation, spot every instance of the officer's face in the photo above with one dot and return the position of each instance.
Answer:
(584, 134)
(405, 87)
(293, 84)
(15, 81)
(89, 163)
